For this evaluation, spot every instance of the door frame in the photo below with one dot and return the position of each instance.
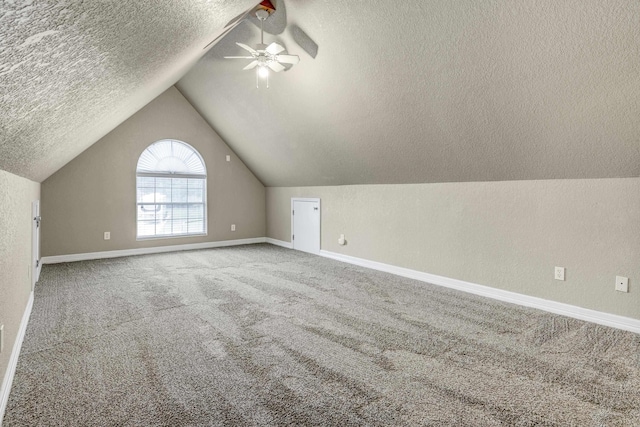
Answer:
(307, 199)
(35, 243)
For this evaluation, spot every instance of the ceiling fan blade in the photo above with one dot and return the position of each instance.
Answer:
(248, 48)
(274, 48)
(304, 41)
(238, 57)
(253, 64)
(275, 66)
(288, 59)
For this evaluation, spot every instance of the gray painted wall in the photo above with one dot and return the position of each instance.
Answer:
(96, 192)
(16, 195)
(508, 235)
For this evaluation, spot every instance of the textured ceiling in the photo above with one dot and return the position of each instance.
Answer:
(71, 71)
(433, 91)
(386, 92)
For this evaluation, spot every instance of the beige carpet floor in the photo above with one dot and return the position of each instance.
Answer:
(261, 335)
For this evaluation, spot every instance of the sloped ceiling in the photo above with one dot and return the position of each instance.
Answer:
(434, 91)
(399, 92)
(71, 71)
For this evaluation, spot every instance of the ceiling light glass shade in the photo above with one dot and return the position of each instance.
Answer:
(263, 72)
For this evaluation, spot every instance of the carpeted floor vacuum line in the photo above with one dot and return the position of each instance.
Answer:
(261, 335)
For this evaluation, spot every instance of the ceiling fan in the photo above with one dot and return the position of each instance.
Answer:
(265, 57)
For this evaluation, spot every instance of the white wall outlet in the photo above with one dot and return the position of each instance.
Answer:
(559, 273)
(107, 235)
(341, 240)
(1, 338)
(233, 227)
(622, 284)
(228, 158)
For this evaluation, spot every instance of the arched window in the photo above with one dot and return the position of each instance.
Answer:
(171, 181)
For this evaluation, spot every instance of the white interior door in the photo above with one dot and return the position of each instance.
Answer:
(35, 244)
(305, 225)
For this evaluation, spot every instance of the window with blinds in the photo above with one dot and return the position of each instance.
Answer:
(171, 181)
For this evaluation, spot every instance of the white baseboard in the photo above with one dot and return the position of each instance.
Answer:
(282, 243)
(619, 322)
(144, 251)
(13, 360)
(38, 272)
(589, 315)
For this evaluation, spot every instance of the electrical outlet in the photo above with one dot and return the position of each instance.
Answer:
(622, 284)
(107, 235)
(228, 158)
(233, 227)
(559, 273)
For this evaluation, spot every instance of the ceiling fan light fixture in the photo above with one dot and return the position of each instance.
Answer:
(264, 56)
(262, 73)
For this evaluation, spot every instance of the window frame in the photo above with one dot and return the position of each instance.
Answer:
(172, 175)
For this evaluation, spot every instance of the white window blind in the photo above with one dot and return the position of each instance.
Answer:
(171, 191)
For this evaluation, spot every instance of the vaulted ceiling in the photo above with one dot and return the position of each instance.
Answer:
(71, 71)
(385, 92)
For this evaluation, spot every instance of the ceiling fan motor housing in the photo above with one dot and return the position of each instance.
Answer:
(262, 14)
